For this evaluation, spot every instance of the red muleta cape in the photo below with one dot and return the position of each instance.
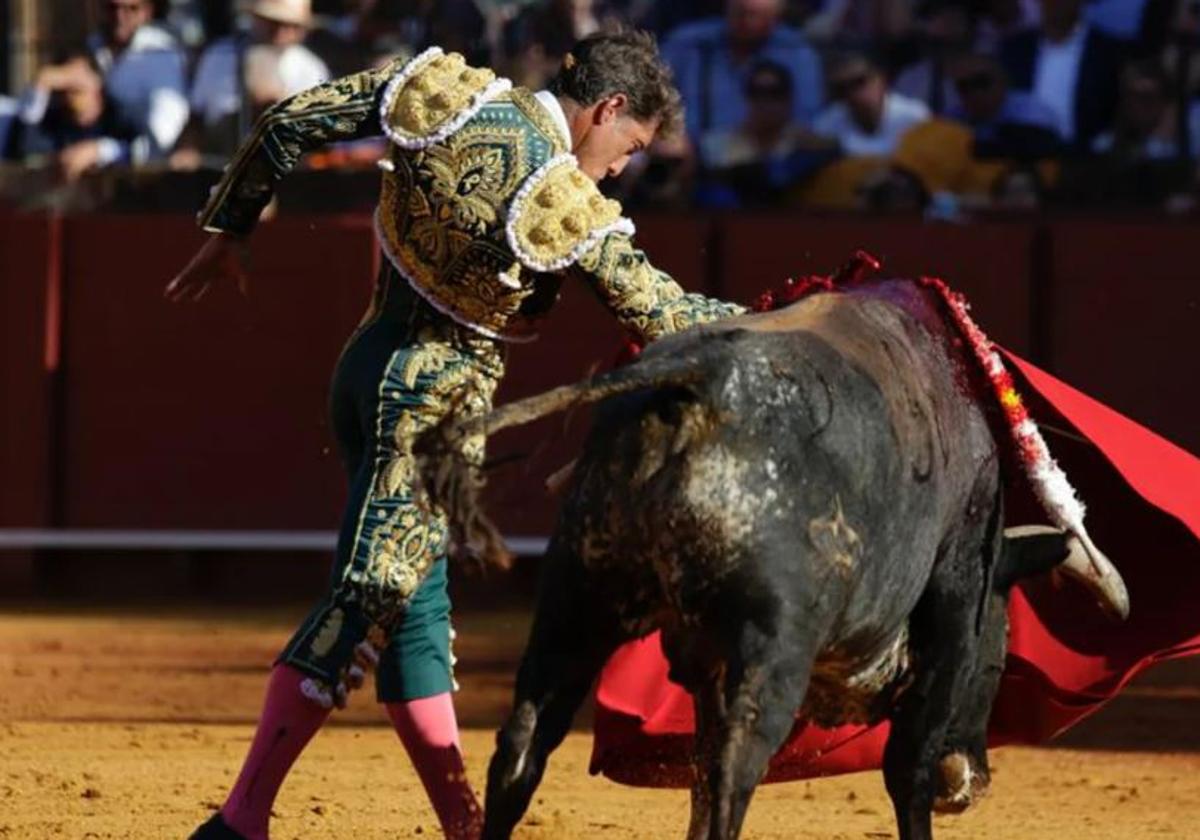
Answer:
(1065, 658)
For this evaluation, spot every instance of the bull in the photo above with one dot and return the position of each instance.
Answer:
(808, 504)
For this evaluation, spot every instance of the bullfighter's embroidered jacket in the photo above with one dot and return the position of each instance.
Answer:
(483, 211)
(481, 200)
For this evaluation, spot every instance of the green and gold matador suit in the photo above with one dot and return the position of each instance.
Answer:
(482, 213)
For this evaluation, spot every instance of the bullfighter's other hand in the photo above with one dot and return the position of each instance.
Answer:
(220, 259)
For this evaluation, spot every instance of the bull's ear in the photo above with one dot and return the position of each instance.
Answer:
(1027, 551)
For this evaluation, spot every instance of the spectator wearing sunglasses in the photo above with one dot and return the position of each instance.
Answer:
(1005, 123)
(1140, 130)
(865, 117)
(1136, 163)
(752, 163)
(710, 59)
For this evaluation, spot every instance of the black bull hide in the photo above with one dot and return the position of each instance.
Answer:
(808, 504)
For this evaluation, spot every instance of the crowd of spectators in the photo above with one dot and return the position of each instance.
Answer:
(941, 106)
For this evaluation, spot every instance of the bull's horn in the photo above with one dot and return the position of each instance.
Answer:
(1089, 566)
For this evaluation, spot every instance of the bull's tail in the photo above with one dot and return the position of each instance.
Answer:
(454, 484)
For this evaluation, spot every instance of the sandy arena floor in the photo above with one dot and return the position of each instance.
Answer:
(133, 725)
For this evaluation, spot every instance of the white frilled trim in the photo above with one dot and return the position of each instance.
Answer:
(390, 93)
(403, 271)
(517, 208)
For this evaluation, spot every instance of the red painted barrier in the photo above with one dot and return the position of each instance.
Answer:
(214, 415)
(210, 415)
(1124, 306)
(28, 347)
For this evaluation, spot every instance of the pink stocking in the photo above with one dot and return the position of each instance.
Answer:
(429, 731)
(289, 721)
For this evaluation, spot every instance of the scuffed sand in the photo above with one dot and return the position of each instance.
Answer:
(133, 726)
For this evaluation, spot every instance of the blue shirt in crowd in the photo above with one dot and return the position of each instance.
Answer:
(713, 85)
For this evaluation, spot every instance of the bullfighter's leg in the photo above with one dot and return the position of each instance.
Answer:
(944, 643)
(574, 632)
(290, 717)
(764, 685)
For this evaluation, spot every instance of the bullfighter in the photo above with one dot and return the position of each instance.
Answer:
(489, 201)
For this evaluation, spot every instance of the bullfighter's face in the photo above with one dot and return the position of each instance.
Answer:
(606, 136)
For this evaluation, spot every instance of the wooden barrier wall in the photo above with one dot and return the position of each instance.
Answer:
(122, 411)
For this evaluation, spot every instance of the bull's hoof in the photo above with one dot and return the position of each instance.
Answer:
(216, 829)
(959, 786)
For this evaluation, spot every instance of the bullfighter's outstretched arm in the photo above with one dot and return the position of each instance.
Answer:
(339, 110)
(644, 299)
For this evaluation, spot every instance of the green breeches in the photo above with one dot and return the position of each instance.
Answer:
(399, 375)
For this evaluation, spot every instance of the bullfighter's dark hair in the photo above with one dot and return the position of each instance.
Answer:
(626, 61)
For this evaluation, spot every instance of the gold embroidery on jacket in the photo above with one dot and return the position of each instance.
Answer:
(441, 217)
(327, 636)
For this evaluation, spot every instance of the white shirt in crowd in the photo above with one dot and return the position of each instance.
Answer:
(1056, 77)
(217, 90)
(900, 113)
(147, 83)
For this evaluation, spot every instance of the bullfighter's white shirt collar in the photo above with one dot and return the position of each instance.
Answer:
(550, 103)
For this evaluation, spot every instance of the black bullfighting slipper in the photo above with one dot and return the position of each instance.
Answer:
(215, 829)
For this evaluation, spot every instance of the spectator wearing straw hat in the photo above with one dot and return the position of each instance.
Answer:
(239, 76)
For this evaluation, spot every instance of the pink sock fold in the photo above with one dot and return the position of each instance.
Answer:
(289, 721)
(429, 731)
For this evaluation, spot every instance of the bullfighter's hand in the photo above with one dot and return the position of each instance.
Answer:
(221, 259)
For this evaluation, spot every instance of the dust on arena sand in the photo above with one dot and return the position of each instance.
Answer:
(118, 725)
